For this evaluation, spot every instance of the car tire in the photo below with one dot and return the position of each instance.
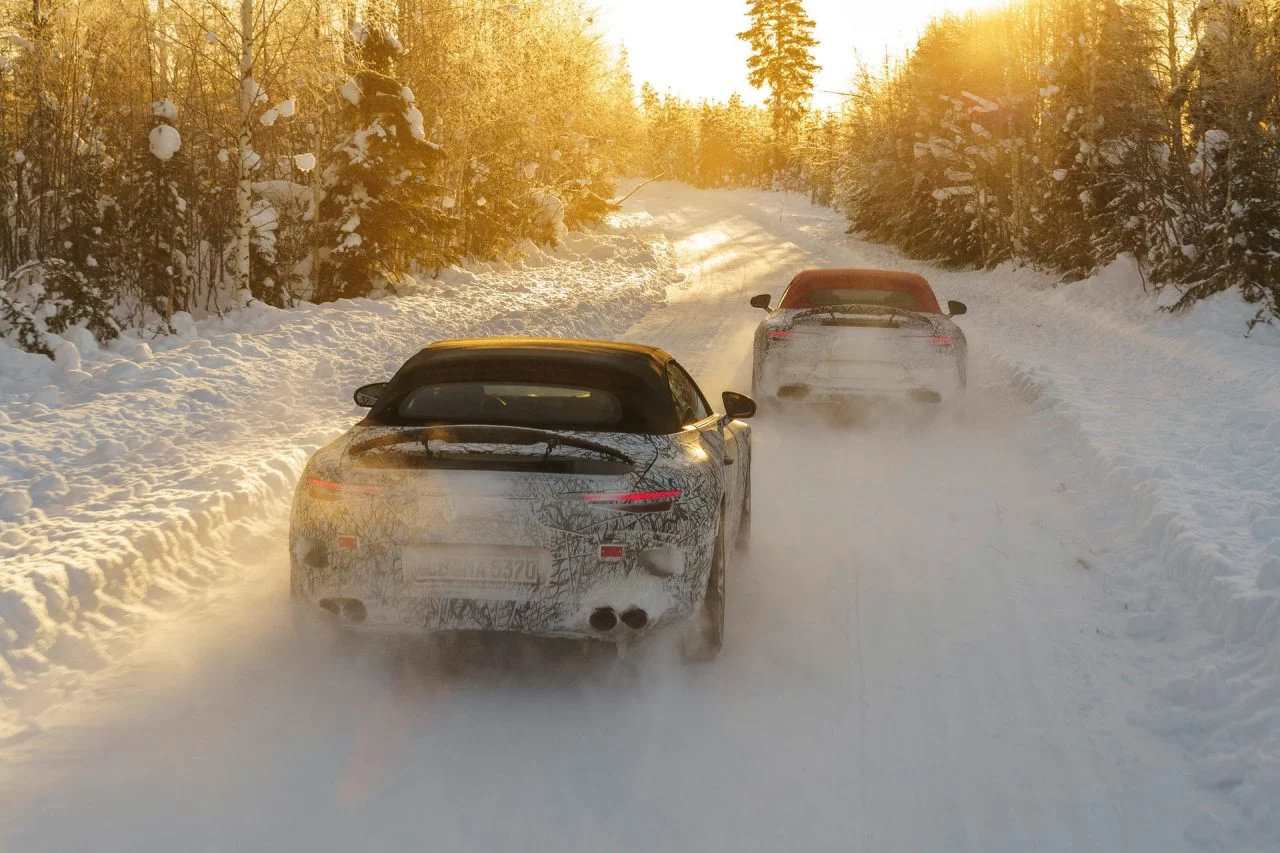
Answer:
(706, 633)
(758, 392)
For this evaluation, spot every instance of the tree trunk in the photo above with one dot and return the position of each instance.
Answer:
(244, 147)
(317, 197)
(1175, 80)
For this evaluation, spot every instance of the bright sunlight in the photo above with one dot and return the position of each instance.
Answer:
(691, 48)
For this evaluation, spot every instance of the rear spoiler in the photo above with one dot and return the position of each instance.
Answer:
(616, 461)
(872, 316)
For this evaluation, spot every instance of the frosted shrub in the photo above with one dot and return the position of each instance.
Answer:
(52, 296)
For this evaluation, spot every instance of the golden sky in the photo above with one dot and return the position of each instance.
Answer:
(691, 48)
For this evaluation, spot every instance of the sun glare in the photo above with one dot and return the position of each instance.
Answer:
(692, 49)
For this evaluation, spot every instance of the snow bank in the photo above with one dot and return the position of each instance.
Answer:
(1179, 418)
(121, 466)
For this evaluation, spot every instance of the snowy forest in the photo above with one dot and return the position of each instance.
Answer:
(1058, 133)
(186, 155)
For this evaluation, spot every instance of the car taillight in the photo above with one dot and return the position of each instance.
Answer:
(635, 501)
(329, 489)
(780, 335)
(938, 340)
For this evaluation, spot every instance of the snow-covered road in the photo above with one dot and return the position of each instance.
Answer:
(928, 649)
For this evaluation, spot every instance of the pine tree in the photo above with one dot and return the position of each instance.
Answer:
(381, 207)
(1066, 210)
(41, 298)
(820, 156)
(88, 230)
(673, 139)
(1100, 124)
(154, 257)
(782, 42)
(494, 210)
(34, 159)
(1229, 86)
(716, 158)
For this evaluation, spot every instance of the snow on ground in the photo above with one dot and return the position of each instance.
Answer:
(1044, 622)
(1176, 420)
(119, 465)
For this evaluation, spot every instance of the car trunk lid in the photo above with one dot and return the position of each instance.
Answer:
(863, 344)
(496, 485)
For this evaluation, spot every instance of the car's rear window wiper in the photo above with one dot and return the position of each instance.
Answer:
(485, 434)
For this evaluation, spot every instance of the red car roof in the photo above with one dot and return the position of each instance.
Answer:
(904, 282)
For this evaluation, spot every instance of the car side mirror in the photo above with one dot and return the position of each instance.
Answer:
(367, 395)
(761, 301)
(955, 309)
(737, 406)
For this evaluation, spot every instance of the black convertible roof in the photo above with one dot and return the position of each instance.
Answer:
(581, 346)
(519, 342)
(477, 358)
(635, 374)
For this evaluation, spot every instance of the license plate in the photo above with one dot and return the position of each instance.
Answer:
(498, 573)
(862, 371)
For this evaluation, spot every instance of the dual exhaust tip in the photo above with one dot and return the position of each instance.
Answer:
(800, 392)
(925, 395)
(605, 619)
(347, 609)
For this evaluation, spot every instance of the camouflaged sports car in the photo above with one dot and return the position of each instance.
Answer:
(843, 335)
(556, 488)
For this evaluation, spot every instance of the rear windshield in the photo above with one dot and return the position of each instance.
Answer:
(861, 296)
(513, 404)
(570, 389)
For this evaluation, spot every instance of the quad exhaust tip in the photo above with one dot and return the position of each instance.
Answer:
(635, 618)
(793, 392)
(605, 619)
(349, 609)
(924, 395)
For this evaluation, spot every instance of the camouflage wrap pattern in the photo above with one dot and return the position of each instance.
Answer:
(356, 537)
(862, 351)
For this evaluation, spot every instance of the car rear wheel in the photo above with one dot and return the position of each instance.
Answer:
(706, 634)
(767, 404)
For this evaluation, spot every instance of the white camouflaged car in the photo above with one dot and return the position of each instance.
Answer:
(554, 488)
(840, 336)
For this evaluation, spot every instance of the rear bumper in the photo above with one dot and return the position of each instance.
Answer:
(489, 557)
(817, 395)
(611, 602)
(928, 384)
